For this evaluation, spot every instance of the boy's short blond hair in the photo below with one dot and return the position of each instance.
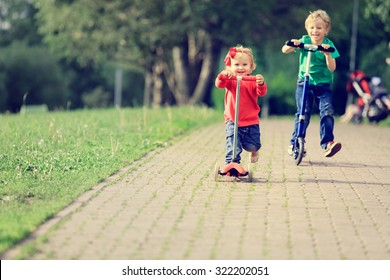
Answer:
(237, 52)
(321, 14)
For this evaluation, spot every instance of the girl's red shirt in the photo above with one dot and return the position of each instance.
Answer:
(249, 93)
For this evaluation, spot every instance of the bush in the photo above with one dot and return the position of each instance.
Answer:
(132, 85)
(281, 95)
(2, 89)
(97, 98)
(33, 72)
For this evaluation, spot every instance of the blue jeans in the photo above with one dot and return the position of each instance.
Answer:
(322, 95)
(248, 139)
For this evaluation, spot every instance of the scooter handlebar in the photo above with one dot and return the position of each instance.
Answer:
(243, 78)
(310, 47)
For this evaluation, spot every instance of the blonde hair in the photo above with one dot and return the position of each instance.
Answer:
(318, 14)
(238, 51)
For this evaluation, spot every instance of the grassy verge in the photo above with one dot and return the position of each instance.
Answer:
(48, 159)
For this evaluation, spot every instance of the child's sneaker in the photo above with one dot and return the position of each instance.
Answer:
(290, 151)
(254, 156)
(332, 148)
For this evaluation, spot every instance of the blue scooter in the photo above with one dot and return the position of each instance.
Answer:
(299, 142)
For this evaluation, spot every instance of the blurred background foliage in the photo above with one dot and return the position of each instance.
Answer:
(65, 53)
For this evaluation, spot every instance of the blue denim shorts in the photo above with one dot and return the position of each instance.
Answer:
(248, 140)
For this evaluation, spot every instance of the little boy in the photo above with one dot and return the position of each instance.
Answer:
(322, 66)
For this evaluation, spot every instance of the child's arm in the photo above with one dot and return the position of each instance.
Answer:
(221, 83)
(260, 79)
(261, 88)
(288, 49)
(330, 61)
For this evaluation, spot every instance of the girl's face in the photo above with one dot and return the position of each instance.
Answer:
(241, 65)
(317, 31)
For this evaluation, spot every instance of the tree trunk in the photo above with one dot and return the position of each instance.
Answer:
(147, 89)
(204, 76)
(191, 73)
(181, 91)
(198, 57)
(157, 88)
(202, 91)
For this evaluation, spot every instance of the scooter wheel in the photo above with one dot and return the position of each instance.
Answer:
(250, 173)
(216, 171)
(300, 149)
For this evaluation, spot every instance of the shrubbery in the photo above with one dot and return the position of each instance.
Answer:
(31, 73)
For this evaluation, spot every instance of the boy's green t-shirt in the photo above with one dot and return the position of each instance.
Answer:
(319, 72)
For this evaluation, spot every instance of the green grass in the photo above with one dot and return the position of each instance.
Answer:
(48, 159)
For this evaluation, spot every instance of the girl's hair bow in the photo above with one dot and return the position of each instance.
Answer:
(231, 54)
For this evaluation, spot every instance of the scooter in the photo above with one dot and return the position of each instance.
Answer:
(234, 169)
(299, 142)
(375, 98)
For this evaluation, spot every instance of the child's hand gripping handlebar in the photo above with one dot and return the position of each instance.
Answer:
(243, 78)
(310, 47)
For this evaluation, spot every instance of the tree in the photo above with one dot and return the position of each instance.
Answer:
(379, 9)
(176, 43)
(32, 76)
(17, 22)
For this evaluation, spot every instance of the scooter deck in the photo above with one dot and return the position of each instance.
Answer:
(233, 169)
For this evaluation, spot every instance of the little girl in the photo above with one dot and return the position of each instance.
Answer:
(239, 61)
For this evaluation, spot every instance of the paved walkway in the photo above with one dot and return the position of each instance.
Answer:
(168, 206)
